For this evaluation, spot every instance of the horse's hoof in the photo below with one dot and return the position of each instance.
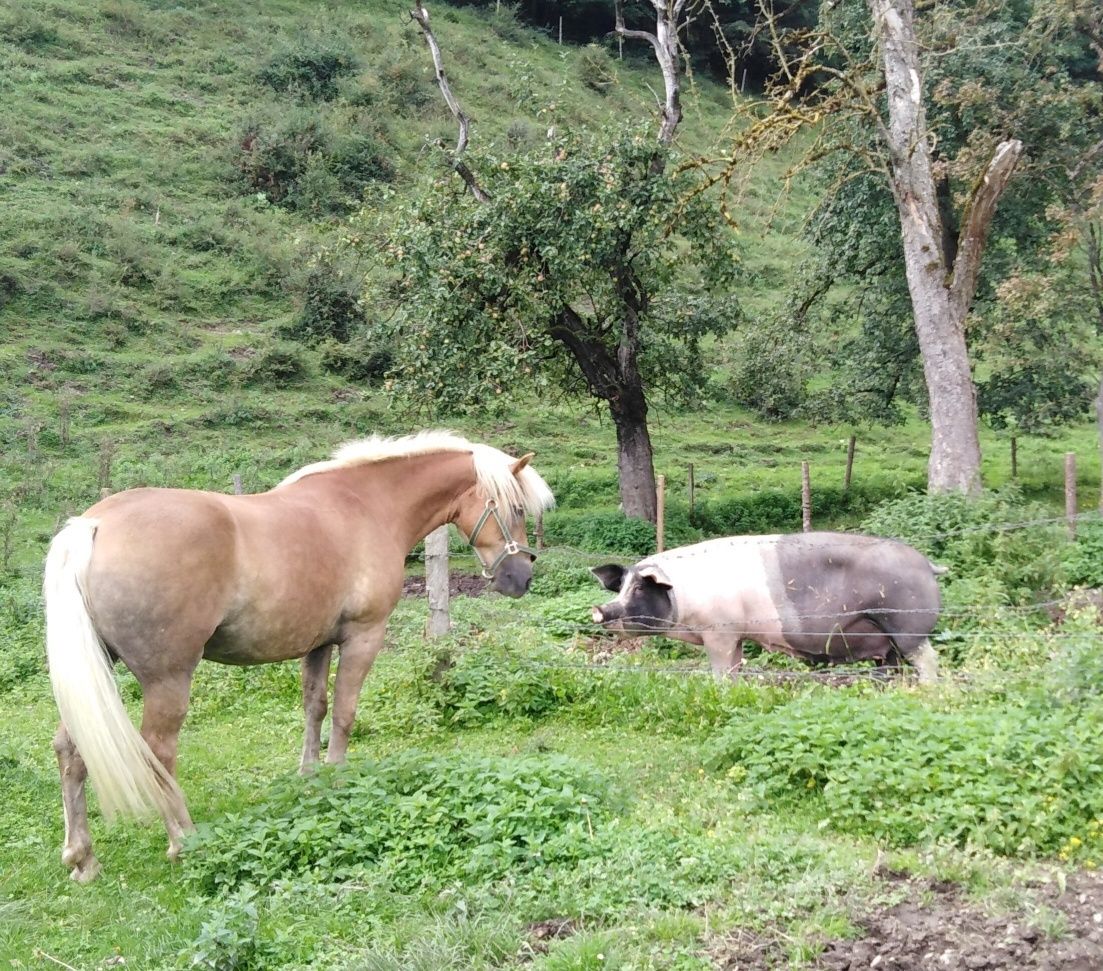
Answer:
(173, 852)
(87, 870)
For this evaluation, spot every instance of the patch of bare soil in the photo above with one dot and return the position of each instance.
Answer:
(1079, 601)
(459, 585)
(935, 928)
(545, 931)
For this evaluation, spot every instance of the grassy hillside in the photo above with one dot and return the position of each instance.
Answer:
(164, 185)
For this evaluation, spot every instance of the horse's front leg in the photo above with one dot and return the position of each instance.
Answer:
(358, 650)
(315, 667)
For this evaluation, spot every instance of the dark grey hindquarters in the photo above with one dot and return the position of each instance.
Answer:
(844, 597)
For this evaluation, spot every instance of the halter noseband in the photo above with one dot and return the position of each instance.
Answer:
(511, 547)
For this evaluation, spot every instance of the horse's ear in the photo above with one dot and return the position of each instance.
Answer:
(522, 462)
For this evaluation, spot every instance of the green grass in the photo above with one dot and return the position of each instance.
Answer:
(141, 282)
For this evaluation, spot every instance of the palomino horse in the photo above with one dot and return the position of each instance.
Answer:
(160, 578)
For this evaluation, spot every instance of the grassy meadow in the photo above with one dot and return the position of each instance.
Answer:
(543, 799)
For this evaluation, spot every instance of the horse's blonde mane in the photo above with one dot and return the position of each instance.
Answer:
(493, 468)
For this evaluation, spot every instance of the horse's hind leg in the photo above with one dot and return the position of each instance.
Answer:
(315, 667)
(77, 852)
(165, 703)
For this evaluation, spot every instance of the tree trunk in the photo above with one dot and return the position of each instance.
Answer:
(942, 276)
(616, 380)
(1099, 426)
(635, 461)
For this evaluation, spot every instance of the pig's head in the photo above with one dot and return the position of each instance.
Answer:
(645, 601)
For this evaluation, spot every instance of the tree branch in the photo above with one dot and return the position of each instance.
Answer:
(976, 221)
(593, 358)
(666, 45)
(421, 16)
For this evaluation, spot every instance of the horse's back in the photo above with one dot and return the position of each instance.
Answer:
(178, 574)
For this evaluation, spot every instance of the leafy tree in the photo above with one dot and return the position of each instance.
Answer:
(985, 71)
(585, 273)
(590, 266)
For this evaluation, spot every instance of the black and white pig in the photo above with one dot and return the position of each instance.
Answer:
(827, 598)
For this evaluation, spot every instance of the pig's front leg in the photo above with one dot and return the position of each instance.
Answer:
(725, 654)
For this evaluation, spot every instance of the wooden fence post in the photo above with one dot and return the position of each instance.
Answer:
(805, 497)
(238, 487)
(660, 516)
(1070, 492)
(540, 530)
(849, 462)
(436, 580)
(692, 490)
(1014, 457)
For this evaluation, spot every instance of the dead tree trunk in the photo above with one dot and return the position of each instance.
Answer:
(421, 16)
(941, 279)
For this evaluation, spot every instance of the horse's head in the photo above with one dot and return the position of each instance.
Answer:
(495, 527)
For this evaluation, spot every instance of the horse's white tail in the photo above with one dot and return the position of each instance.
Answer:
(127, 775)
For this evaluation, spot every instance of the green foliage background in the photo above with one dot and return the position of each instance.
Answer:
(176, 308)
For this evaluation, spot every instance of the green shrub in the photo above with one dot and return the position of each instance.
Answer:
(273, 152)
(23, 658)
(595, 68)
(1083, 560)
(497, 681)
(330, 306)
(311, 67)
(993, 536)
(275, 365)
(156, 379)
(359, 159)
(601, 532)
(1017, 779)
(418, 821)
(361, 359)
(776, 510)
(556, 573)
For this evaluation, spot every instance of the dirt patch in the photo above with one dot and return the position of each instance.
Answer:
(543, 931)
(936, 927)
(1079, 601)
(459, 585)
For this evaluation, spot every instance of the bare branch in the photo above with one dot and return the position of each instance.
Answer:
(667, 47)
(421, 16)
(977, 219)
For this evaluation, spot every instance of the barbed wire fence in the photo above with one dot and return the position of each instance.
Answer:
(840, 671)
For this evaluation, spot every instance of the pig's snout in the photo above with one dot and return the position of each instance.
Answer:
(597, 615)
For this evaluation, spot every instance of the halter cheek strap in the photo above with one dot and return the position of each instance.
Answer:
(511, 547)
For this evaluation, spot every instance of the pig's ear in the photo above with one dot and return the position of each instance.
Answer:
(611, 575)
(655, 575)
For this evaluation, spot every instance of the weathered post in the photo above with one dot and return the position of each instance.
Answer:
(238, 487)
(660, 515)
(805, 497)
(436, 580)
(691, 491)
(1070, 492)
(1014, 457)
(540, 530)
(849, 462)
